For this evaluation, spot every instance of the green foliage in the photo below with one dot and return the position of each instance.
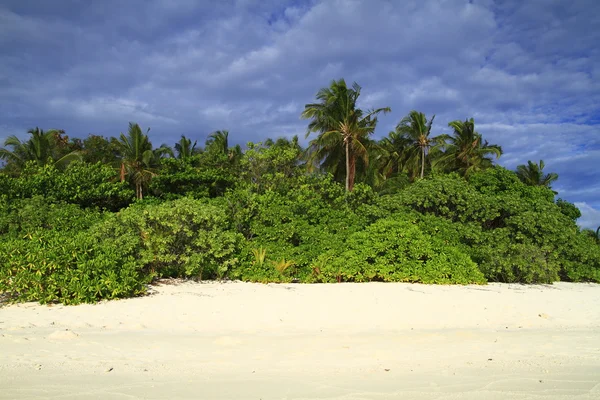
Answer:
(568, 209)
(583, 260)
(180, 238)
(502, 259)
(396, 250)
(192, 176)
(272, 165)
(87, 185)
(514, 232)
(448, 196)
(296, 226)
(532, 174)
(98, 149)
(53, 267)
(48, 254)
(42, 148)
(27, 216)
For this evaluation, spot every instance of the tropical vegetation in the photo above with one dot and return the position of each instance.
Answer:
(99, 218)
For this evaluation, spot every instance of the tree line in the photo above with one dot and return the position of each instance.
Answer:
(99, 218)
(342, 147)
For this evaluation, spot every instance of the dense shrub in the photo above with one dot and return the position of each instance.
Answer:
(295, 227)
(26, 216)
(581, 260)
(179, 238)
(448, 196)
(73, 255)
(87, 185)
(49, 266)
(514, 232)
(396, 250)
(190, 178)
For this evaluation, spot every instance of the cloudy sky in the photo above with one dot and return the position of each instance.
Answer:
(527, 71)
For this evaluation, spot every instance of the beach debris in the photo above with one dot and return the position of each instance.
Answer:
(544, 315)
(109, 369)
(386, 369)
(490, 359)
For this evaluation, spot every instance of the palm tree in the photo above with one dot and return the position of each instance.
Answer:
(185, 148)
(387, 157)
(415, 129)
(42, 148)
(465, 151)
(532, 174)
(218, 142)
(138, 159)
(341, 127)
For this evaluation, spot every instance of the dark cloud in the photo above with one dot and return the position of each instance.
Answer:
(528, 72)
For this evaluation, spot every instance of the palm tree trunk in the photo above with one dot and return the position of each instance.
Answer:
(122, 172)
(347, 142)
(422, 162)
(352, 173)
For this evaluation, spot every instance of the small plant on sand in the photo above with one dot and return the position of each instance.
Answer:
(283, 265)
(260, 256)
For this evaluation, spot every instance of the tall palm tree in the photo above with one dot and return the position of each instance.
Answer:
(185, 148)
(465, 151)
(532, 174)
(138, 159)
(341, 125)
(42, 148)
(415, 129)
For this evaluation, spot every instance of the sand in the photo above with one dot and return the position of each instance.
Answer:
(339, 341)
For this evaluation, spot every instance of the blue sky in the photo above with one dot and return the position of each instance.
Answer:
(527, 71)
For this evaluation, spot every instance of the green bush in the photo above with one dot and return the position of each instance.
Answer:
(51, 266)
(581, 260)
(63, 257)
(25, 216)
(396, 250)
(179, 238)
(87, 185)
(189, 178)
(514, 232)
(447, 196)
(295, 227)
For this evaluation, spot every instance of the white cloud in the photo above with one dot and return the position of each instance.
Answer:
(590, 217)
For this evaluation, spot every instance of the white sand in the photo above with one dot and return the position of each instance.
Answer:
(339, 341)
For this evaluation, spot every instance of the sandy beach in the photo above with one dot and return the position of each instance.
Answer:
(339, 341)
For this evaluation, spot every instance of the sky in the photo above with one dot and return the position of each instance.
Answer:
(528, 72)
